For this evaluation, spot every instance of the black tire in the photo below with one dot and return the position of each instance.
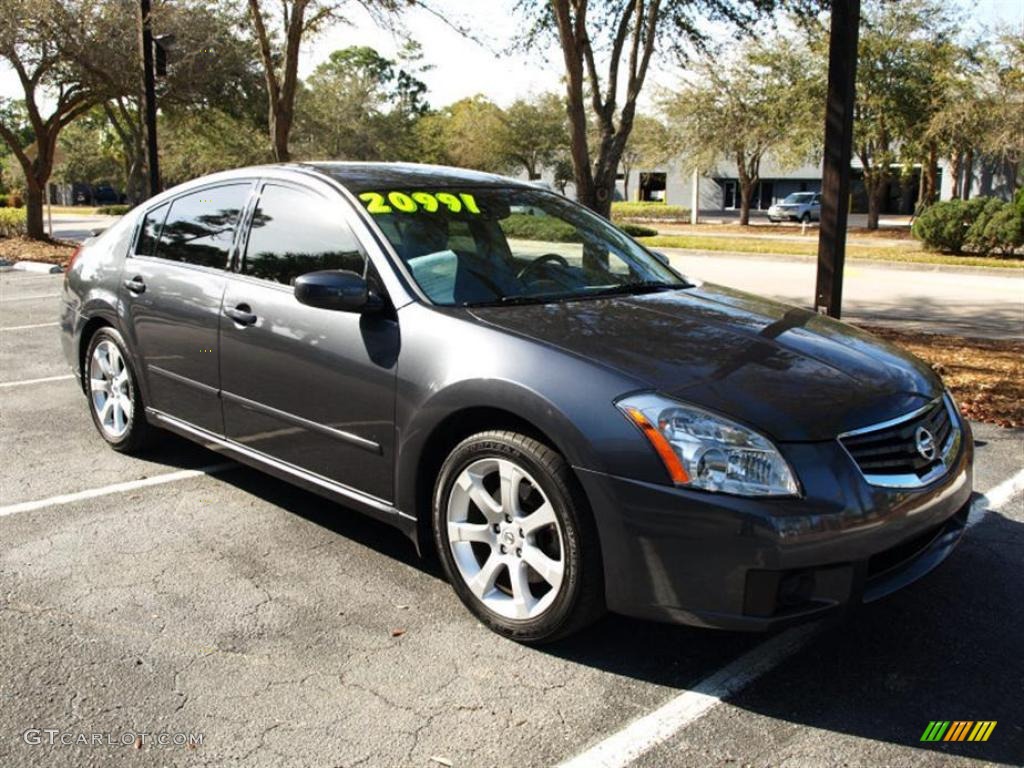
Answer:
(138, 434)
(806, 218)
(580, 597)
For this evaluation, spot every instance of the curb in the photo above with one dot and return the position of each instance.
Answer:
(36, 266)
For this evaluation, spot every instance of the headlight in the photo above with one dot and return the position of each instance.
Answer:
(702, 450)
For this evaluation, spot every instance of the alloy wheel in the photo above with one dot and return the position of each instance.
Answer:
(110, 389)
(505, 538)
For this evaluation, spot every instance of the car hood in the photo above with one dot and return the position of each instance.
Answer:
(789, 372)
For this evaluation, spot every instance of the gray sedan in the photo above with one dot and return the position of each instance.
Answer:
(569, 423)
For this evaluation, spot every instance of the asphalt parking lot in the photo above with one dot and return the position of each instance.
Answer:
(288, 631)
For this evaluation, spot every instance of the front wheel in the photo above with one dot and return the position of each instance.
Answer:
(516, 538)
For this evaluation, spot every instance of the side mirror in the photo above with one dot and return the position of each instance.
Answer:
(336, 289)
(661, 257)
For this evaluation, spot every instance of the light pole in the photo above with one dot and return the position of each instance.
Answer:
(149, 96)
(835, 180)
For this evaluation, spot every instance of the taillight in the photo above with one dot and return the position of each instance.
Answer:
(71, 262)
(74, 255)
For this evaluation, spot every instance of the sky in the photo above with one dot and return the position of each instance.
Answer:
(464, 68)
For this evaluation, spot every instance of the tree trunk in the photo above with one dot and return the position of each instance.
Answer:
(968, 174)
(280, 128)
(746, 193)
(876, 193)
(954, 172)
(34, 209)
(625, 182)
(931, 176)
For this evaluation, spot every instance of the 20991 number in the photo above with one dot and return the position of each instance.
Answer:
(429, 202)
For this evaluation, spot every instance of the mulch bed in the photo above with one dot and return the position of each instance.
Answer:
(25, 249)
(986, 376)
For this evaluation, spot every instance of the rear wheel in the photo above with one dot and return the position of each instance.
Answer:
(806, 218)
(516, 539)
(114, 398)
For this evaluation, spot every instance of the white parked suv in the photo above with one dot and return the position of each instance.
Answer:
(799, 206)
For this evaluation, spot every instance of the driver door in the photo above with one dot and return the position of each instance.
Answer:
(310, 387)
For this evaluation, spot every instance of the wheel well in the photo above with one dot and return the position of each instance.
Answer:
(93, 325)
(446, 435)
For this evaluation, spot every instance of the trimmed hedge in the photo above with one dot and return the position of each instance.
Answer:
(113, 210)
(526, 227)
(982, 225)
(12, 222)
(652, 211)
(635, 230)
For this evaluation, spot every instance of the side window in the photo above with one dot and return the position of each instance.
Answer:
(295, 232)
(200, 227)
(149, 232)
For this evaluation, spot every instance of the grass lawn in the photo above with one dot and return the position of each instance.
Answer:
(907, 254)
(986, 376)
(80, 210)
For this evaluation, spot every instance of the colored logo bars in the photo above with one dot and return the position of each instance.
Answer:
(958, 730)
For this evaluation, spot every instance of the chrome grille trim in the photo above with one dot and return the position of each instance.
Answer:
(948, 453)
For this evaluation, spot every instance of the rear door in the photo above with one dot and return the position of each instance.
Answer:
(309, 387)
(171, 292)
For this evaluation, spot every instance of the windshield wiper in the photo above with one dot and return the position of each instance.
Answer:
(647, 286)
(644, 286)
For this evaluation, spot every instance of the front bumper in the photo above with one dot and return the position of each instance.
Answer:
(714, 560)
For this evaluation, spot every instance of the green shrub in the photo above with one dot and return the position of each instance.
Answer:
(523, 226)
(3, 201)
(12, 222)
(635, 230)
(113, 210)
(977, 239)
(944, 225)
(1004, 231)
(650, 210)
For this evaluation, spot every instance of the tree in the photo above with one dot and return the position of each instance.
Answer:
(896, 87)
(360, 105)
(466, 134)
(34, 36)
(767, 101)
(202, 33)
(296, 20)
(628, 33)
(533, 135)
(649, 145)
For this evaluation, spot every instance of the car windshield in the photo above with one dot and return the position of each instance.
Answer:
(482, 246)
(799, 197)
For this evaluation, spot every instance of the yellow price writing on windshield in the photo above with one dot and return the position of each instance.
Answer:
(429, 202)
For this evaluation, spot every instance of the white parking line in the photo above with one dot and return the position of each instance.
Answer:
(26, 382)
(27, 327)
(29, 298)
(995, 498)
(106, 490)
(642, 735)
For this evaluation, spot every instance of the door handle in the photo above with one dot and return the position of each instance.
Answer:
(241, 314)
(135, 285)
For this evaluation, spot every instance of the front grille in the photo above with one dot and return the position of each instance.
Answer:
(892, 450)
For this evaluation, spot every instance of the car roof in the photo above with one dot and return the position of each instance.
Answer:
(365, 176)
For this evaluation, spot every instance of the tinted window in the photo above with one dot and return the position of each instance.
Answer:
(150, 231)
(201, 226)
(295, 232)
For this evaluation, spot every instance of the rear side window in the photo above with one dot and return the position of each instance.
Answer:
(294, 232)
(149, 233)
(200, 227)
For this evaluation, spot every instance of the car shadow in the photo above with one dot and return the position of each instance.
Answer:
(946, 648)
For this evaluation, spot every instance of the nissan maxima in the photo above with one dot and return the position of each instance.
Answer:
(572, 425)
